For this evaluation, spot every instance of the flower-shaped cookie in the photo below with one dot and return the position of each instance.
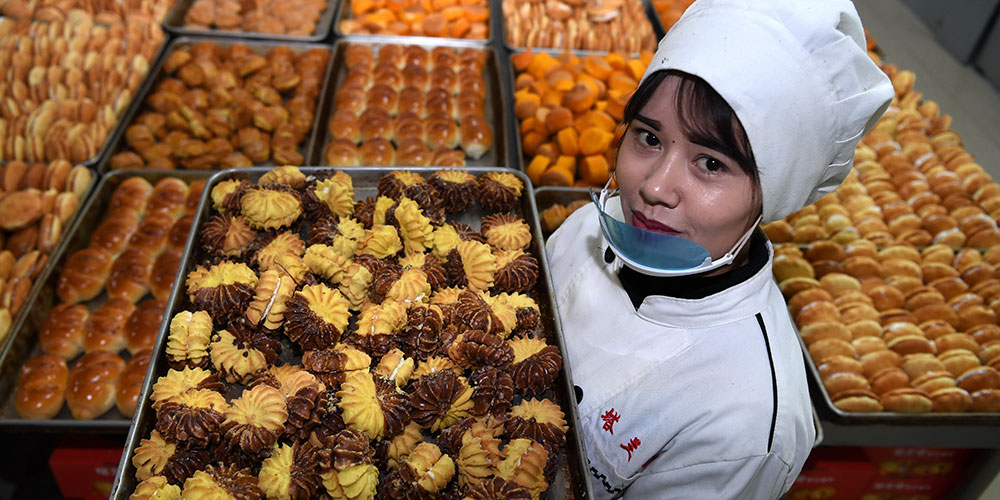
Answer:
(255, 420)
(222, 481)
(241, 351)
(354, 285)
(326, 262)
(333, 365)
(381, 241)
(437, 277)
(316, 317)
(420, 336)
(337, 192)
(476, 348)
(471, 264)
(188, 339)
(479, 454)
(378, 326)
(516, 271)
(414, 227)
(524, 463)
(373, 405)
(288, 175)
(293, 471)
(539, 420)
(457, 189)
(269, 304)
(227, 195)
(272, 207)
(499, 191)
(396, 367)
(440, 399)
(281, 244)
(506, 232)
(177, 382)
(193, 416)
(156, 488)
(224, 290)
(492, 391)
(226, 236)
(536, 364)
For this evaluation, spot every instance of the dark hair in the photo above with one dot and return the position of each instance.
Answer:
(705, 117)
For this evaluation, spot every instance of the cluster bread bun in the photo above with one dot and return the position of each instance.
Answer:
(68, 80)
(37, 203)
(359, 349)
(294, 18)
(217, 106)
(600, 26)
(108, 304)
(409, 105)
(570, 108)
(100, 11)
(439, 18)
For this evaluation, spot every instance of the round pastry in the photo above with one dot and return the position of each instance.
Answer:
(130, 274)
(906, 400)
(316, 316)
(373, 405)
(90, 389)
(378, 326)
(143, 325)
(224, 290)
(269, 304)
(293, 471)
(161, 279)
(276, 246)
(506, 232)
(342, 153)
(222, 481)
(791, 266)
(83, 275)
(241, 351)
(476, 348)
(857, 401)
(255, 420)
(524, 463)
(933, 381)
(113, 233)
(817, 311)
(156, 488)
(188, 340)
(153, 233)
(888, 379)
(41, 387)
(271, 207)
(536, 364)
(977, 379)
(837, 382)
(63, 330)
(498, 191)
(440, 399)
(420, 335)
(377, 151)
(917, 365)
(411, 149)
(381, 241)
(226, 236)
(457, 188)
(105, 327)
(950, 400)
(824, 330)
(177, 239)
(792, 286)
(986, 400)
(169, 196)
(471, 264)
(130, 382)
(538, 420)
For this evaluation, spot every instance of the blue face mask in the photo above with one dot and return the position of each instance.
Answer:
(653, 253)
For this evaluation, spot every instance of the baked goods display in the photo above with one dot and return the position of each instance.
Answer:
(293, 18)
(669, 11)
(37, 203)
(358, 349)
(220, 106)
(619, 25)
(554, 215)
(468, 19)
(409, 105)
(70, 77)
(107, 312)
(102, 11)
(570, 108)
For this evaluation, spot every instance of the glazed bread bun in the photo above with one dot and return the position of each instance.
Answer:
(90, 391)
(889, 379)
(40, 387)
(63, 330)
(906, 400)
(129, 277)
(106, 326)
(130, 382)
(83, 275)
(143, 325)
(860, 401)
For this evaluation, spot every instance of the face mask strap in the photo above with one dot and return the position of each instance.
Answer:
(742, 241)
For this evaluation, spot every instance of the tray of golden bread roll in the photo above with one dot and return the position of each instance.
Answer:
(287, 21)
(594, 25)
(70, 78)
(398, 103)
(38, 204)
(569, 107)
(556, 204)
(219, 103)
(102, 11)
(433, 20)
(78, 359)
(360, 333)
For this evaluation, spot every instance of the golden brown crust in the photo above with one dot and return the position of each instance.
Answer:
(536, 364)
(143, 325)
(41, 387)
(130, 382)
(498, 192)
(517, 272)
(90, 389)
(62, 332)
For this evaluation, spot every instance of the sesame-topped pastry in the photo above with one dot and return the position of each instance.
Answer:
(414, 228)
(226, 236)
(527, 311)
(395, 366)
(316, 316)
(337, 192)
(333, 365)
(271, 207)
(419, 337)
(283, 243)
(506, 232)
(269, 304)
(517, 271)
(436, 275)
(536, 364)
(392, 452)
(498, 191)
(472, 264)
(524, 463)
(381, 241)
(193, 416)
(440, 399)
(354, 285)
(255, 420)
(475, 348)
(457, 189)
(292, 471)
(373, 405)
(479, 454)
(227, 195)
(327, 231)
(539, 420)
(222, 482)
(428, 468)
(378, 326)
(326, 262)
(156, 488)
(496, 488)
(224, 290)
(492, 391)
(288, 175)
(241, 351)
(177, 382)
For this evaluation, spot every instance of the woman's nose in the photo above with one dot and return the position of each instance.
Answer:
(663, 185)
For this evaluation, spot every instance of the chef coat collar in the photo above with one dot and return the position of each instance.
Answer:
(639, 286)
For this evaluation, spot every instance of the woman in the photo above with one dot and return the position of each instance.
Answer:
(690, 380)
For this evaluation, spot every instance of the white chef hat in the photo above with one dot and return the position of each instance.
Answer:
(798, 76)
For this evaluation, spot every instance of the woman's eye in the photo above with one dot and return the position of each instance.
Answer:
(710, 164)
(648, 139)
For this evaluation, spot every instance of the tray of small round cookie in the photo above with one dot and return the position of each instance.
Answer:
(410, 101)
(232, 342)
(186, 18)
(79, 351)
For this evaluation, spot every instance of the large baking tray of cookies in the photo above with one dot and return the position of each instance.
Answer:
(566, 469)
(430, 21)
(590, 26)
(215, 103)
(406, 103)
(293, 21)
(100, 304)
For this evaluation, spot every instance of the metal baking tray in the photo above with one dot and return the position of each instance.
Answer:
(24, 343)
(344, 12)
(174, 24)
(118, 144)
(502, 31)
(571, 480)
(495, 105)
(546, 196)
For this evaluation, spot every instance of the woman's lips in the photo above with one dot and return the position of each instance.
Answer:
(640, 221)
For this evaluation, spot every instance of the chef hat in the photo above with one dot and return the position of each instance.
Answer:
(798, 76)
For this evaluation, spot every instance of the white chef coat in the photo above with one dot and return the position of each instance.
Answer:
(682, 398)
